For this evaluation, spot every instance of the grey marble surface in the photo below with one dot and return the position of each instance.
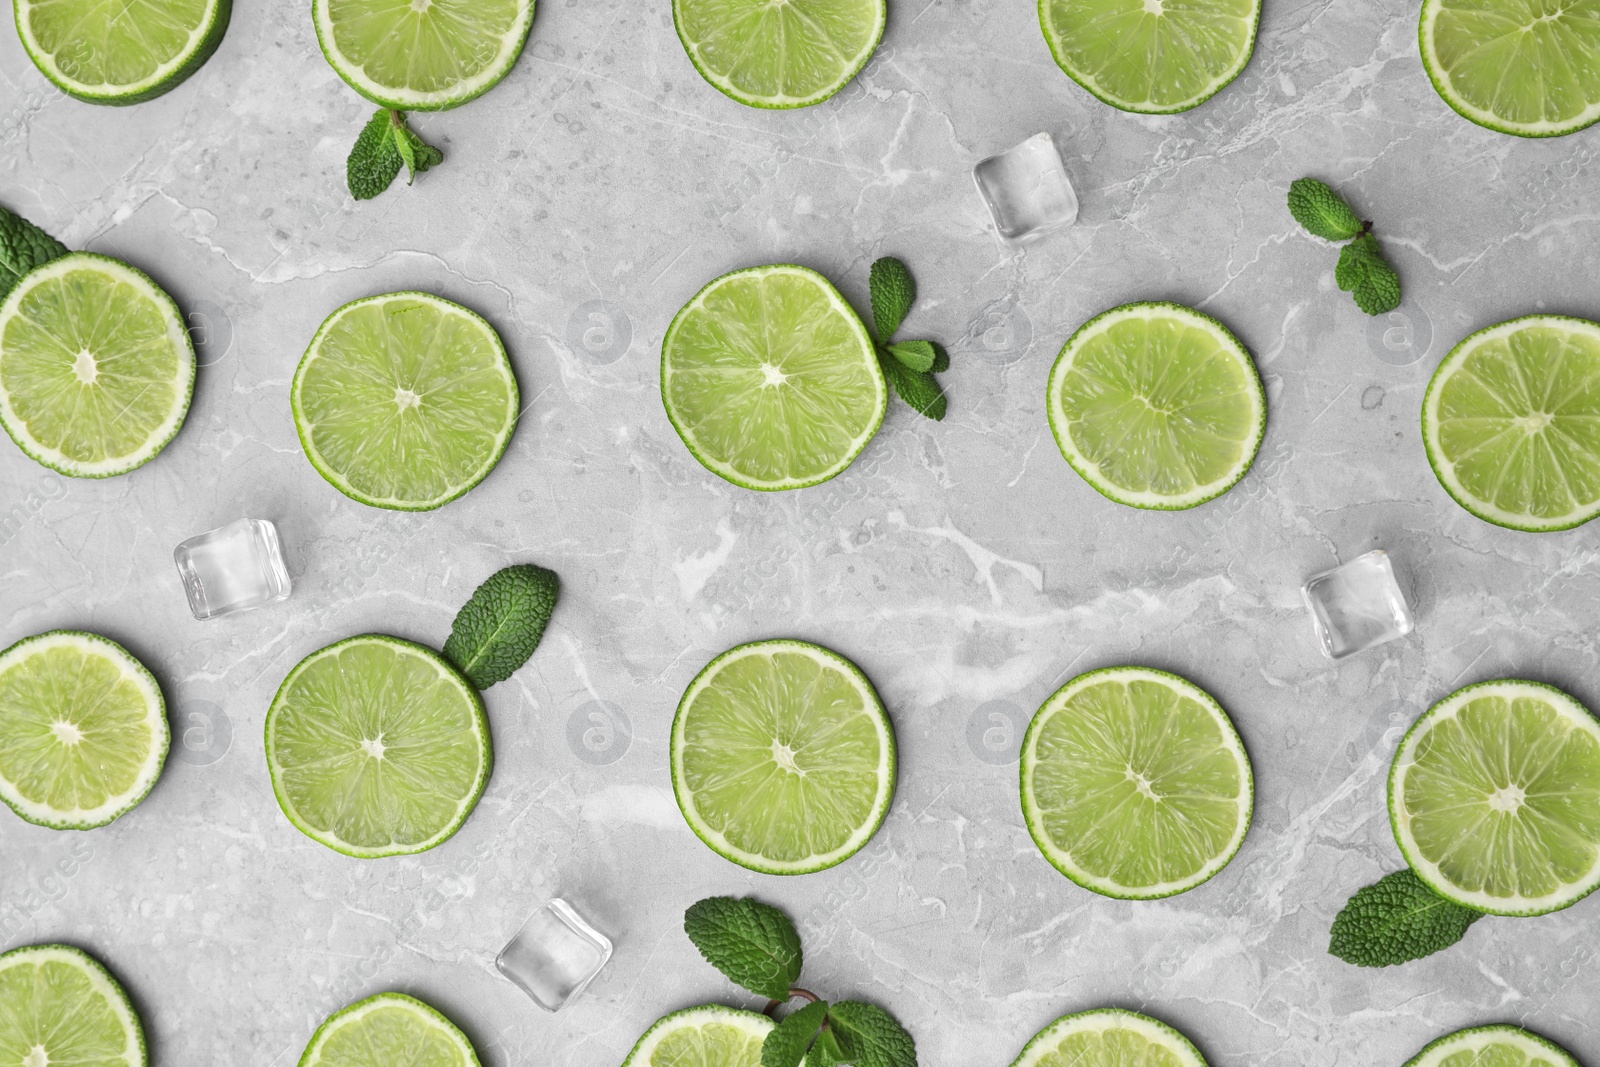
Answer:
(963, 565)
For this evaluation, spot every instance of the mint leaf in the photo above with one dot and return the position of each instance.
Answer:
(917, 355)
(1322, 211)
(789, 1041)
(893, 291)
(375, 159)
(754, 944)
(418, 154)
(501, 625)
(1366, 275)
(1396, 919)
(23, 246)
(825, 1052)
(919, 389)
(869, 1036)
(941, 358)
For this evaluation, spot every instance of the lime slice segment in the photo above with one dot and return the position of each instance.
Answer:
(405, 400)
(83, 730)
(710, 1036)
(1151, 56)
(427, 55)
(771, 379)
(58, 1005)
(389, 1029)
(1517, 66)
(792, 54)
(1495, 798)
(783, 759)
(1157, 406)
(1109, 1037)
(96, 367)
(1135, 783)
(1493, 1046)
(1511, 422)
(120, 53)
(377, 747)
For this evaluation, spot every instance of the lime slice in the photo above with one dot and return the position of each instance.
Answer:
(712, 1036)
(58, 1005)
(771, 379)
(1157, 406)
(120, 53)
(385, 1030)
(1517, 66)
(1109, 1037)
(1495, 798)
(405, 400)
(1151, 56)
(96, 367)
(1135, 783)
(783, 758)
(426, 55)
(1493, 1046)
(83, 730)
(790, 54)
(1511, 422)
(377, 747)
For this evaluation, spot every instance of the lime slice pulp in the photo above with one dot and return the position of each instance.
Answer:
(709, 1036)
(120, 53)
(1493, 1046)
(1109, 1037)
(58, 1005)
(783, 759)
(385, 1030)
(792, 54)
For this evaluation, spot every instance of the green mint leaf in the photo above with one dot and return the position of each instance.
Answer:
(23, 246)
(825, 1052)
(917, 355)
(1322, 211)
(501, 625)
(920, 390)
(1366, 275)
(786, 1045)
(941, 358)
(375, 160)
(869, 1036)
(418, 154)
(1396, 919)
(754, 944)
(893, 291)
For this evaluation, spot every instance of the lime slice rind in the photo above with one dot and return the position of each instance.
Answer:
(1175, 1049)
(202, 42)
(101, 983)
(753, 1024)
(425, 1014)
(1529, 1047)
(844, 69)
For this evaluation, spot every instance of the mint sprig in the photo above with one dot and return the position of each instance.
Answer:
(500, 626)
(1395, 920)
(1362, 270)
(909, 366)
(385, 145)
(23, 246)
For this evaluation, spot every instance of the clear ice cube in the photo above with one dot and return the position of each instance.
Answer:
(1358, 605)
(1027, 189)
(555, 955)
(232, 568)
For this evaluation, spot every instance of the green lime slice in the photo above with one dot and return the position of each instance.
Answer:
(386, 1030)
(777, 55)
(58, 1005)
(124, 52)
(1493, 1046)
(710, 1036)
(1495, 798)
(96, 367)
(377, 747)
(1511, 422)
(1135, 783)
(1517, 66)
(423, 55)
(783, 758)
(83, 730)
(1109, 1037)
(771, 379)
(1151, 56)
(1157, 406)
(405, 400)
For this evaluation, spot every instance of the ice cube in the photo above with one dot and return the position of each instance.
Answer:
(1358, 605)
(554, 955)
(232, 568)
(1027, 189)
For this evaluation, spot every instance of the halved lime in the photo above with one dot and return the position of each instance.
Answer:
(58, 1005)
(1495, 798)
(96, 367)
(1493, 1046)
(1151, 56)
(783, 758)
(771, 379)
(790, 54)
(709, 1036)
(1157, 406)
(1135, 783)
(120, 53)
(1511, 422)
(422, 55)
(1517, 66)
(377, 747)
(1109, 1037)
(405, 400)
(83, 730)
(387, 1030)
